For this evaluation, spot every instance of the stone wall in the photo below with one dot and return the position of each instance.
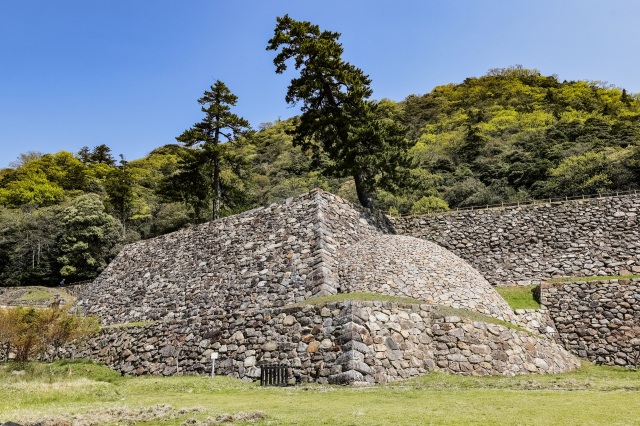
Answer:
(341, 342)
(268, 257)
(523, 245)
(237, 286)
(596, 320)
(315, 244)
(399, 265)
(537, 320)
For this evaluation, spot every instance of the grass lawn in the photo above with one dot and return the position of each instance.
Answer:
(34, 296)
(592, 278)
(590, 396)
(519, 297)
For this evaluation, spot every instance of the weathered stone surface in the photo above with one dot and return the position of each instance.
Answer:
(525, 244)
(406, 266)
(468, 347)
(597, 320)
(346, 378)
(234, 286)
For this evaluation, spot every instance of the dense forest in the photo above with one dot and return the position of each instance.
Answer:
(510, 135)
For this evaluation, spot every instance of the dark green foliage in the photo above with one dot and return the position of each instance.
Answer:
(338, 121)
(88, 240)
(515, 134)
(186, 184)
(28, 248)
(119, 188)
(100, 154)
(508, 136)
(210, 165)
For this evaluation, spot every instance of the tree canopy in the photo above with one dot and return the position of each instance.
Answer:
(510, 135)
(337, 119)
(209, 157)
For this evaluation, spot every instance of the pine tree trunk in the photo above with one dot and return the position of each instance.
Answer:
(365, 198)
(217, 189)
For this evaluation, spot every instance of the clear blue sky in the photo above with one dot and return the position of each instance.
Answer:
(127, 73)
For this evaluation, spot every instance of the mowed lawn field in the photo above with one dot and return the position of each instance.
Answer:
(84, 393)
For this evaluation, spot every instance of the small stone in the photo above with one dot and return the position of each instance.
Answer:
(270, 346)
(313, 347)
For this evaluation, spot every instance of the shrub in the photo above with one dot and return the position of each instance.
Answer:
(430, 204)
(29, 332)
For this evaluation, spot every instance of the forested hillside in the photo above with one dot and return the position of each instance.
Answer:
(510, 135)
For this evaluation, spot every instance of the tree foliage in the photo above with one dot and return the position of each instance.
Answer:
(510, 135)
(88, 239)
(28, 332)
(210, 160)
(515, 134)
(337, 117)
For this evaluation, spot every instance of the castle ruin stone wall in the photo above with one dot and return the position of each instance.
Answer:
(524, 245)
(268, 257)
(597, 320)
(339, 342)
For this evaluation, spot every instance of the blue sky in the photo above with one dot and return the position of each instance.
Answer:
(127, 73)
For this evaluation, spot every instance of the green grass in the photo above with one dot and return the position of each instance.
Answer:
(35, 295)
(591, 278)
(594, 395)
(588, 377)
(59, 371)
(130, 324)
(519, 297)
(360, 296)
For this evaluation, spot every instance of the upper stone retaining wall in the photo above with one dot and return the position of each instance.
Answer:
(523, 245)
(273, 256)
(315, 244)
(596, 320)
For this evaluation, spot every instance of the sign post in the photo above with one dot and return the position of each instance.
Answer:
(214, 356)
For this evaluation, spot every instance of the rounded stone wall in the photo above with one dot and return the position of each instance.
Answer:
(405, 266)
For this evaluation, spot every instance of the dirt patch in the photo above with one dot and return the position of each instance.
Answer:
(121, 416)
(223, 419)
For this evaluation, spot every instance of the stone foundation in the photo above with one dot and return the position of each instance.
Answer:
(342, 343)
(527, 244)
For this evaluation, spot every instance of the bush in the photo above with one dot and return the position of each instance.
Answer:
(29, 332)
(428, 205)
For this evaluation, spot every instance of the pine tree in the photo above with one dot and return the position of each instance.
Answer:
(219, 125)
(337, 118)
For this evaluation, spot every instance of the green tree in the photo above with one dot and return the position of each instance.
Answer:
(119, 188)
(88, 239)
(186, 184)
(63, 169)
(32, 187)
(102, 155)
(27, 246)
(588, 174)
(208, 136)
(337, 117)
(429, 205)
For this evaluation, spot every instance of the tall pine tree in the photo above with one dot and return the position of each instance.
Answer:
(208, 136)
(337, 118)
